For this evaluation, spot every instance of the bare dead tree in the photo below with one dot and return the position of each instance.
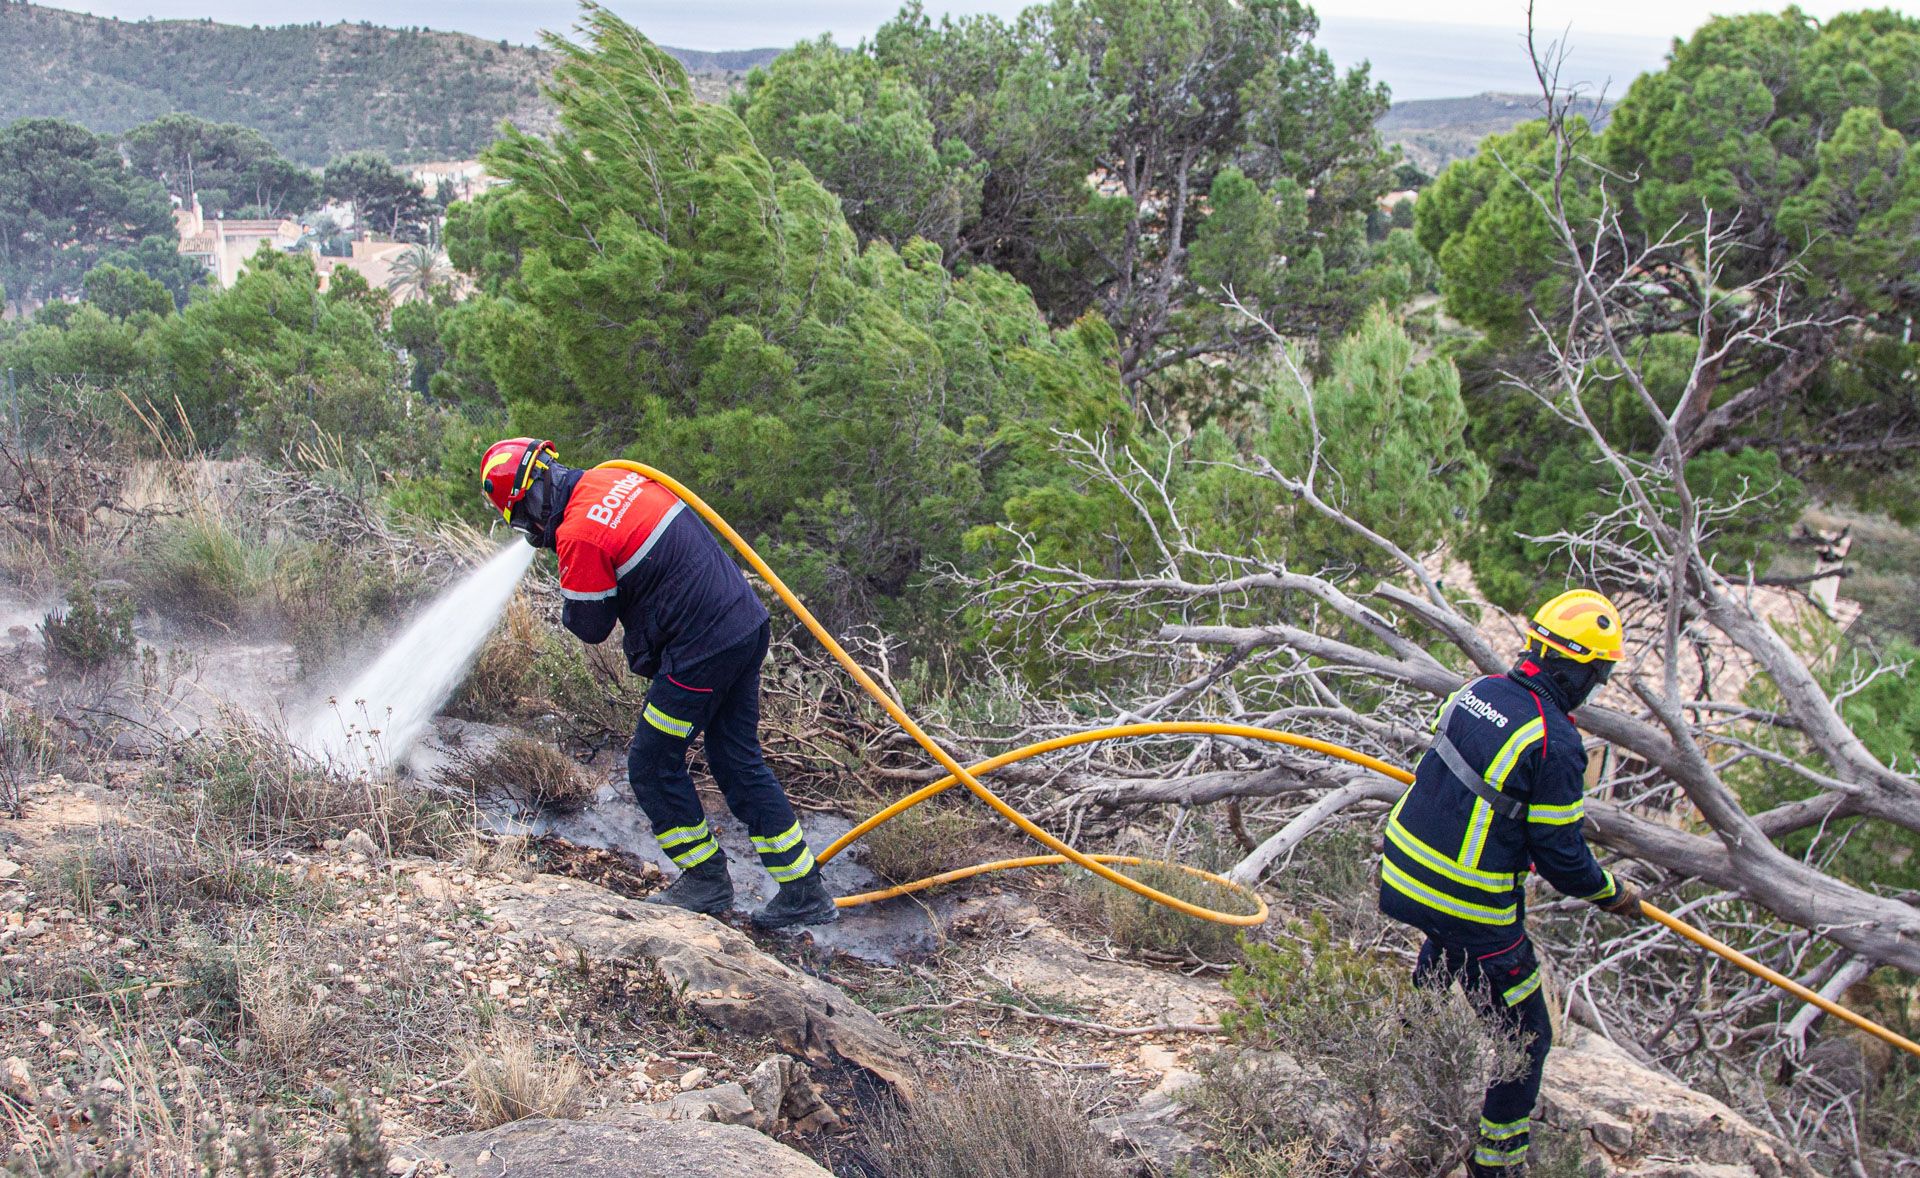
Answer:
(1703, 630)
(1717, 686)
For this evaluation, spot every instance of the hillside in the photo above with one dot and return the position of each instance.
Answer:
(1436, 131)
(316, 91)
(416, 94)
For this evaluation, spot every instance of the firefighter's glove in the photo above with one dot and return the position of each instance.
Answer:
(1626, 899)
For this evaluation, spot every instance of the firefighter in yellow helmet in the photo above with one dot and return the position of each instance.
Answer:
(1499, 793)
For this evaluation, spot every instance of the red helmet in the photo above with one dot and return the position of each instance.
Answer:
(508, 469)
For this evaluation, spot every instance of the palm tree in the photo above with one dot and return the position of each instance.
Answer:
(418, 272)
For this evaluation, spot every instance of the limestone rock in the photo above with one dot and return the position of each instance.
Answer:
(783, 1094)
(637, 1147)
(722, 976)
(16, 1080)
(727, 1104)
(1640, 1122)
(1160, 1136)
(1049, 962)
(1150, 1133)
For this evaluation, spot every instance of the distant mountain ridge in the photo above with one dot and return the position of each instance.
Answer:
(316, 91)
(1434, 132)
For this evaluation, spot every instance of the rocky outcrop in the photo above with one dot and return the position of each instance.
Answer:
(1643, 1124)
(1633, 1122)
(777, 1095)
(717, 971)
(635, 1147)
(1153, 1133)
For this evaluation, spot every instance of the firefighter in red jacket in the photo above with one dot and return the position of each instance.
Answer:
(630, 552)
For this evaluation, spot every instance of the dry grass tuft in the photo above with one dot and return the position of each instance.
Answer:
(937, 835)
(254, 788)
(508, 1081)
(531, 772)
(988, 1123)
(1140, 925)
(501, 680)
(282, 1012)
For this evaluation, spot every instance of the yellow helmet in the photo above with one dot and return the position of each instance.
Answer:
(1580, 624)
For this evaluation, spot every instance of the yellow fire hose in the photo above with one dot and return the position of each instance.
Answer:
(958, 774)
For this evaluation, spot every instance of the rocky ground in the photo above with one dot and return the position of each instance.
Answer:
(212, 962)
(378, 986)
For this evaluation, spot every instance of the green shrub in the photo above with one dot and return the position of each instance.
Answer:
(1333, 874)
(1336, 1054)
(588, 689)
(358, 1151)
(93, 630)
(244, 1153)
(334, 601)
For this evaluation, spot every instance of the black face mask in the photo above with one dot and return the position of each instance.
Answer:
(1572, 683)
(532, 516)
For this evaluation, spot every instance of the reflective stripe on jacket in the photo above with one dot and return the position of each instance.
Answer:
(1451, 864)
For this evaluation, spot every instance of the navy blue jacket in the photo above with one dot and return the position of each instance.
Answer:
(1454, 867)
(631, 553)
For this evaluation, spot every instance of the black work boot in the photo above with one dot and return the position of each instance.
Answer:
(804, 901)
(1514, 1170)
(705, 887)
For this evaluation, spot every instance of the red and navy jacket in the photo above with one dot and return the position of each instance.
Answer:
(1454, 866)
(631, 552)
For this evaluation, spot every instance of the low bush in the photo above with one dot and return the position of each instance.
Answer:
(358, 1150)
(1337, 1061)
(508, 1081)
(940, 834)
(1139, 925)
(501, 680)
(987, 1123)
(163, 875)
(530, 772)
(335, 602)
(1333, 873)
(588, 690)
(92, 630)
(30, 751)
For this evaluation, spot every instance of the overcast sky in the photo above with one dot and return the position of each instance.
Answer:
(1478, 49)
(743, 24)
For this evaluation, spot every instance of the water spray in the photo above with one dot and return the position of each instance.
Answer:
(372, 722)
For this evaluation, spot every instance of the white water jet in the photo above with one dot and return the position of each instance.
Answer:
(369, 724)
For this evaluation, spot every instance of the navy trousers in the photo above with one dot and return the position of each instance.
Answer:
(718, 697)
(1503, 981)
